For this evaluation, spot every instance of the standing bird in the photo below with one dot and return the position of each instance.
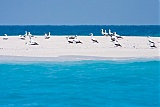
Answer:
(93, 39)
(75, 40)
(118, 36)
(110, 33)
(47, 36)
(151, 43)
(29, 34)
(113, 38)
(150, 40)
(21, 37)
(72, 37)
(104, 33)
(117, 44)
(25, 35)
(5, 37)
(69, 40)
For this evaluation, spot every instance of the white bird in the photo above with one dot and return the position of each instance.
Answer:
(152, 45)
(76, 40)
(31, 42)
(21, 37)
(5, 37)
(150, 40)
(25, 35)
(47, 36)
(70, 39)
(117, 44)
(113, 38)
(104, 33)
(118, 36)
(93, 39)
(110, 33)
(29, 34)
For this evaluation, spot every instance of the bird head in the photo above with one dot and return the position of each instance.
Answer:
(91, 34)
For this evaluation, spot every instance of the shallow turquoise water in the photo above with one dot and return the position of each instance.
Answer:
(80, 84)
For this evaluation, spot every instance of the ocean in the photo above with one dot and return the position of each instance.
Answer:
(92, 83)
(85, 30)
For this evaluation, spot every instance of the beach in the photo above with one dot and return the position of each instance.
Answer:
(58, 47)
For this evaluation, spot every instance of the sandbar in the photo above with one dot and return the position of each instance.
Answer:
(57, 47)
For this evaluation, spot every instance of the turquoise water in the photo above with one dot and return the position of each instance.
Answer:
(124, 30)
(80, 84)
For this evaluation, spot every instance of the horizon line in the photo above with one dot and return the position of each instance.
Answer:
(80, 25)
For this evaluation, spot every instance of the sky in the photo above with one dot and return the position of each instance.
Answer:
(79, 12)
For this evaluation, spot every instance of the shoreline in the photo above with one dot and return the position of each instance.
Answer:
(66, 58)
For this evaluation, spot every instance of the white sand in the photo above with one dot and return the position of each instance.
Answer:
(56, 46)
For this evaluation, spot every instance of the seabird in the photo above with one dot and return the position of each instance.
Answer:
(47, 36)
(21, 37)
(104, 33)
(110, 33)
(118, 36)
(25, 35)
(72, 37)
(5, 37)
(76, 40)
(113, 38)
(32, 42)
(150, 40)
(69, 40)
(117, 44)
(93, 39)
(152, 45)
(29, 34)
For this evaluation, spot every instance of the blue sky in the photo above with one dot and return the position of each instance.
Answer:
(79, 12)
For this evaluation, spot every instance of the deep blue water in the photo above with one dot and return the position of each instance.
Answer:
(80, 84)
(124, 30)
